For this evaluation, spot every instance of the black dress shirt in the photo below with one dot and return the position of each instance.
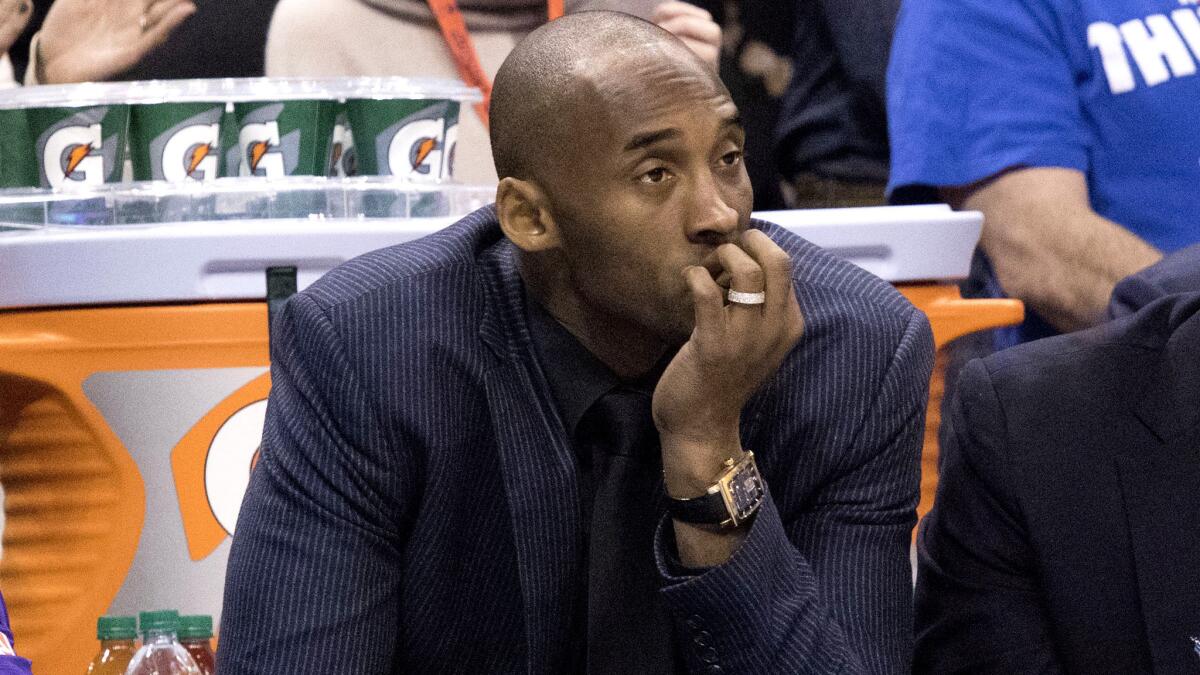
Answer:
(622, 500)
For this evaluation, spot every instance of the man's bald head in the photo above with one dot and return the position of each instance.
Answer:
(548, 80)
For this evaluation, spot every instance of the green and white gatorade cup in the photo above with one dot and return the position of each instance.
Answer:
(284, 138)
(343, 160)
(412, 139)
(176, 142)
(230, 152)
(18, 166)
(79, 148)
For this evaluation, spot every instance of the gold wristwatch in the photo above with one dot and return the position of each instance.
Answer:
(730, 501)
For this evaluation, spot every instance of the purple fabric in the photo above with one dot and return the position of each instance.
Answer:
(9, 664)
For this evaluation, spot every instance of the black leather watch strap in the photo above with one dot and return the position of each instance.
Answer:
(744, 488)
(707, 509)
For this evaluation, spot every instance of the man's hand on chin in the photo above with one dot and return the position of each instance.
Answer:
(733, 349)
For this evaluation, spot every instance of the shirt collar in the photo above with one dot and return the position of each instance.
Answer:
(577, 378)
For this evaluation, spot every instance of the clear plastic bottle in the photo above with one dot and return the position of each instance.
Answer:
(161, 653)
(117, 635)
(195, 634)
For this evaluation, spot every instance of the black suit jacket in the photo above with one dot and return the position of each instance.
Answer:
(416, 505)
(1066, 532)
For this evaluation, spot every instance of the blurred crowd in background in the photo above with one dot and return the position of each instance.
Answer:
(1067, 129)
(813, 107)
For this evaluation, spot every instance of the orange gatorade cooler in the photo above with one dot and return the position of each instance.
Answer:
(134, 368)
(133, 380)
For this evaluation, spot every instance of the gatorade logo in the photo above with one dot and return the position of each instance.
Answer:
(343, 161)
(74, 154)
(264, 151)
(188, 151)
(212, 465)
(420, 147)
(263, 158)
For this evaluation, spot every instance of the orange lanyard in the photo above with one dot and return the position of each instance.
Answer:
(462, 48)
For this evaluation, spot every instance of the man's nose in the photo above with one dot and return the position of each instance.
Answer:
(712, 220)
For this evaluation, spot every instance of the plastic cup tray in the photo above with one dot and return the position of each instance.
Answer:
(225, 199)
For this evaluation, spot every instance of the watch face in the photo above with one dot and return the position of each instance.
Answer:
(747, 491)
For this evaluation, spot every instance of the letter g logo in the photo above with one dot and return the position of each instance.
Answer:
(71, 156)
(191, 153)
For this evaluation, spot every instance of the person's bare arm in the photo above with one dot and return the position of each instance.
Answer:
(1048, 247)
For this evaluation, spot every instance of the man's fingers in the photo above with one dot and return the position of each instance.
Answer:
(710, 54)
(164, 12)
(10, 9)
(697, 29)
(745, 275)
(14, 16)
(667, 10)
(158, 30)
(776, 267)
(158, 10)
(708, 299)
(692, 25)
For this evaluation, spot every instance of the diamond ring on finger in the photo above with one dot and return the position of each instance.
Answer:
(743, 298)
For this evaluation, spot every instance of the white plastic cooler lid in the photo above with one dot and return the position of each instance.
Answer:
(49, 266)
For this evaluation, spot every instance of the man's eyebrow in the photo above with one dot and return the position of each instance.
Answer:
(650, 138)
(647, 139)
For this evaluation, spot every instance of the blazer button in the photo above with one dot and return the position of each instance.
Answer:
(714, 668)
(709, 656)
(703, 639)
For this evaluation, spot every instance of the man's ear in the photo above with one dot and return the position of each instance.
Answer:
(524, 213)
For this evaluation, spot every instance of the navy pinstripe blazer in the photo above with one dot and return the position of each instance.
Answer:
(415, 508)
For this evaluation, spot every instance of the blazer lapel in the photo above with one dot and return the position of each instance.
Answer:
(540, 476)
(1161, 489)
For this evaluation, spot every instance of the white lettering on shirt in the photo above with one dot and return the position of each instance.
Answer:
(1188, 24)
(1156, 43)
(1151, 47)
(1106, 38)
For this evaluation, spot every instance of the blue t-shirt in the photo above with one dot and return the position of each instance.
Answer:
(1108, 87)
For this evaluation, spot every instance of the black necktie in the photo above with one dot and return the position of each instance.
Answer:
(628, 630)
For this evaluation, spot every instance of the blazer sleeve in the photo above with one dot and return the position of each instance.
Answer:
(978, 608)
(823, 586)
(314, 570)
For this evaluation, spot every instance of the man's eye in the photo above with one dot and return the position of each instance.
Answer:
(731, 158)
(655, 175)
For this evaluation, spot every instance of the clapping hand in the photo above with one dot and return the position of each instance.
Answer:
(89, 40)
(14, 15)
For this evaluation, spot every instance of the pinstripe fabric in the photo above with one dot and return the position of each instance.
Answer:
(415, 507)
